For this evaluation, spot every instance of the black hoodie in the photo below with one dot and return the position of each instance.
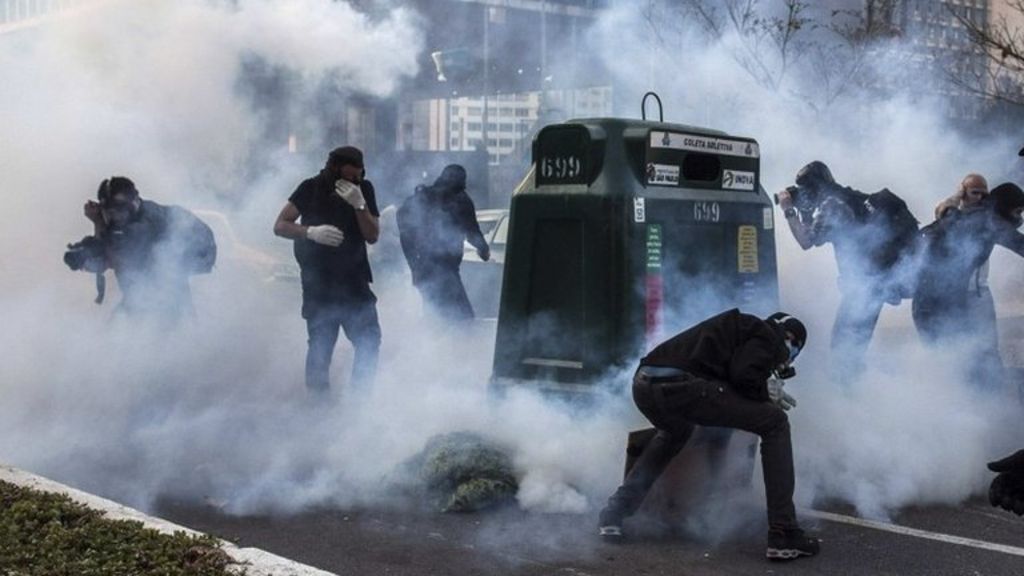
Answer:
(737, 348)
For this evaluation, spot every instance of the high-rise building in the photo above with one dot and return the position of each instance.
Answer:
(16, 14)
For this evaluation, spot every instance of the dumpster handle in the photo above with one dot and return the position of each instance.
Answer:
(643, 107)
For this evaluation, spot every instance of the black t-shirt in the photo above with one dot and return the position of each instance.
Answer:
(330, 273)
(735, 347)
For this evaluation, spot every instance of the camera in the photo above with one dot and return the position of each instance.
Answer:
(785, 373)
(86, 254)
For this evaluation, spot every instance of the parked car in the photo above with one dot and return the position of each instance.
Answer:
(483, 279)
(233, 255)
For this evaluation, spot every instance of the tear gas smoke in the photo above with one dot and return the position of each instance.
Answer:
(151, 90)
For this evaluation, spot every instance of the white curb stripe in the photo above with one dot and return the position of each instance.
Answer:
(915, 532)
(255, 561)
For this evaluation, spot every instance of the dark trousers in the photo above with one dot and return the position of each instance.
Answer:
(674, 402)
(968, 323)
(444, 294)
(359, 321)
(852, 330)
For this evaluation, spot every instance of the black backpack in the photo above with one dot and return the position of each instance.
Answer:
(888, 212)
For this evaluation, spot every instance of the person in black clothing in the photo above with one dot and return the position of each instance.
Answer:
(432, 225)
(722, 372)
(152, 248)
(953, 248)
(872, 236)
(338, 211)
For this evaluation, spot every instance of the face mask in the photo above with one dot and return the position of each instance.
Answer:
(794, 351)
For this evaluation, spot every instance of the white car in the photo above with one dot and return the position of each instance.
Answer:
(483, 279)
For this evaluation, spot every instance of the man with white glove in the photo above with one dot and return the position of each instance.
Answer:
(339, 217)
(778, 395)
(723, 372)
(325, 234)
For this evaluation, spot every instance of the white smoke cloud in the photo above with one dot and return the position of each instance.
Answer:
(909, 433)
(149, 89)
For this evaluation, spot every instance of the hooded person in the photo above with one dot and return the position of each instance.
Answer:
(433, 224)
(953, 249)
(726, 371)
(152, 248)
(872, 236)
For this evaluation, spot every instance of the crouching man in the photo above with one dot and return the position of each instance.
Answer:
(726, 371)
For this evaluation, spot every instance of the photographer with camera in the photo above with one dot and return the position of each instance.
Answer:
(873, 236)
(152, 248)
(727, 372)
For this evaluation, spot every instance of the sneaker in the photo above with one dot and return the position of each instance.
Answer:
(610, 526)
(790, 545)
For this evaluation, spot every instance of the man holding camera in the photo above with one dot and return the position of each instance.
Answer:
(726, 371)
(152, 248)
(872, 235)
(339, 217)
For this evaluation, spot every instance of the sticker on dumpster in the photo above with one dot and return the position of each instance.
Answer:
(680, 141)
(639, 210)
(746, 250)
(737, 180)
(653, 247)
(769, 219)
(662, 174)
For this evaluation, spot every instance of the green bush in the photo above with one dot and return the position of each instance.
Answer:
(49, 534)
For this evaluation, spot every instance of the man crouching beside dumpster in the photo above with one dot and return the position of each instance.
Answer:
(726, 371)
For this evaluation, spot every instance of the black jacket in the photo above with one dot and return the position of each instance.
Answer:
(432, 225)
(154, 255)
(954, 246)
(737, 348)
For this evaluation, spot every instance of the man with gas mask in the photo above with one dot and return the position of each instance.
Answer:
(152, 248)
(339, 217)
(873, 238)
(953, 249)
(726, 371)
(433, 223)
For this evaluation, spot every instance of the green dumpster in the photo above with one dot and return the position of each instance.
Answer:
(623, 233)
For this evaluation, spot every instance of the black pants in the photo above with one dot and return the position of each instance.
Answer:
(359, 321)
(674, 402)
(444, 294)
(966, 321)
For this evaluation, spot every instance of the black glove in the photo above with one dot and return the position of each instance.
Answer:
(1007, 488)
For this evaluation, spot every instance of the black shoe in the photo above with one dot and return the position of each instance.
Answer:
(610, 525)
(790, 545)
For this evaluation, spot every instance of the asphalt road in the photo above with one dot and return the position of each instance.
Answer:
(398, 543)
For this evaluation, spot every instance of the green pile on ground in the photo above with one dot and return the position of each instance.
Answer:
(464, 472)
(49, 534)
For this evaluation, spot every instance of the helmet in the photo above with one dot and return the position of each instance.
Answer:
(814, 174)
(786, 323)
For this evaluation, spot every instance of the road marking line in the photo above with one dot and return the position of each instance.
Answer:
(915, 532)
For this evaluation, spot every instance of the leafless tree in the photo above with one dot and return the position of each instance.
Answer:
(993, 67)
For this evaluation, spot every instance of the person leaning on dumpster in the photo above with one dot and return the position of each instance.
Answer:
(726, 371)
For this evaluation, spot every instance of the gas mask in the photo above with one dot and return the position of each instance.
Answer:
(119, 214)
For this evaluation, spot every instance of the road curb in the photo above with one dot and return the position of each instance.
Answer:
(255, 561)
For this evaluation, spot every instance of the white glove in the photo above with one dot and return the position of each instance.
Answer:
(350, 193)
(325, 234)
(778, 395)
